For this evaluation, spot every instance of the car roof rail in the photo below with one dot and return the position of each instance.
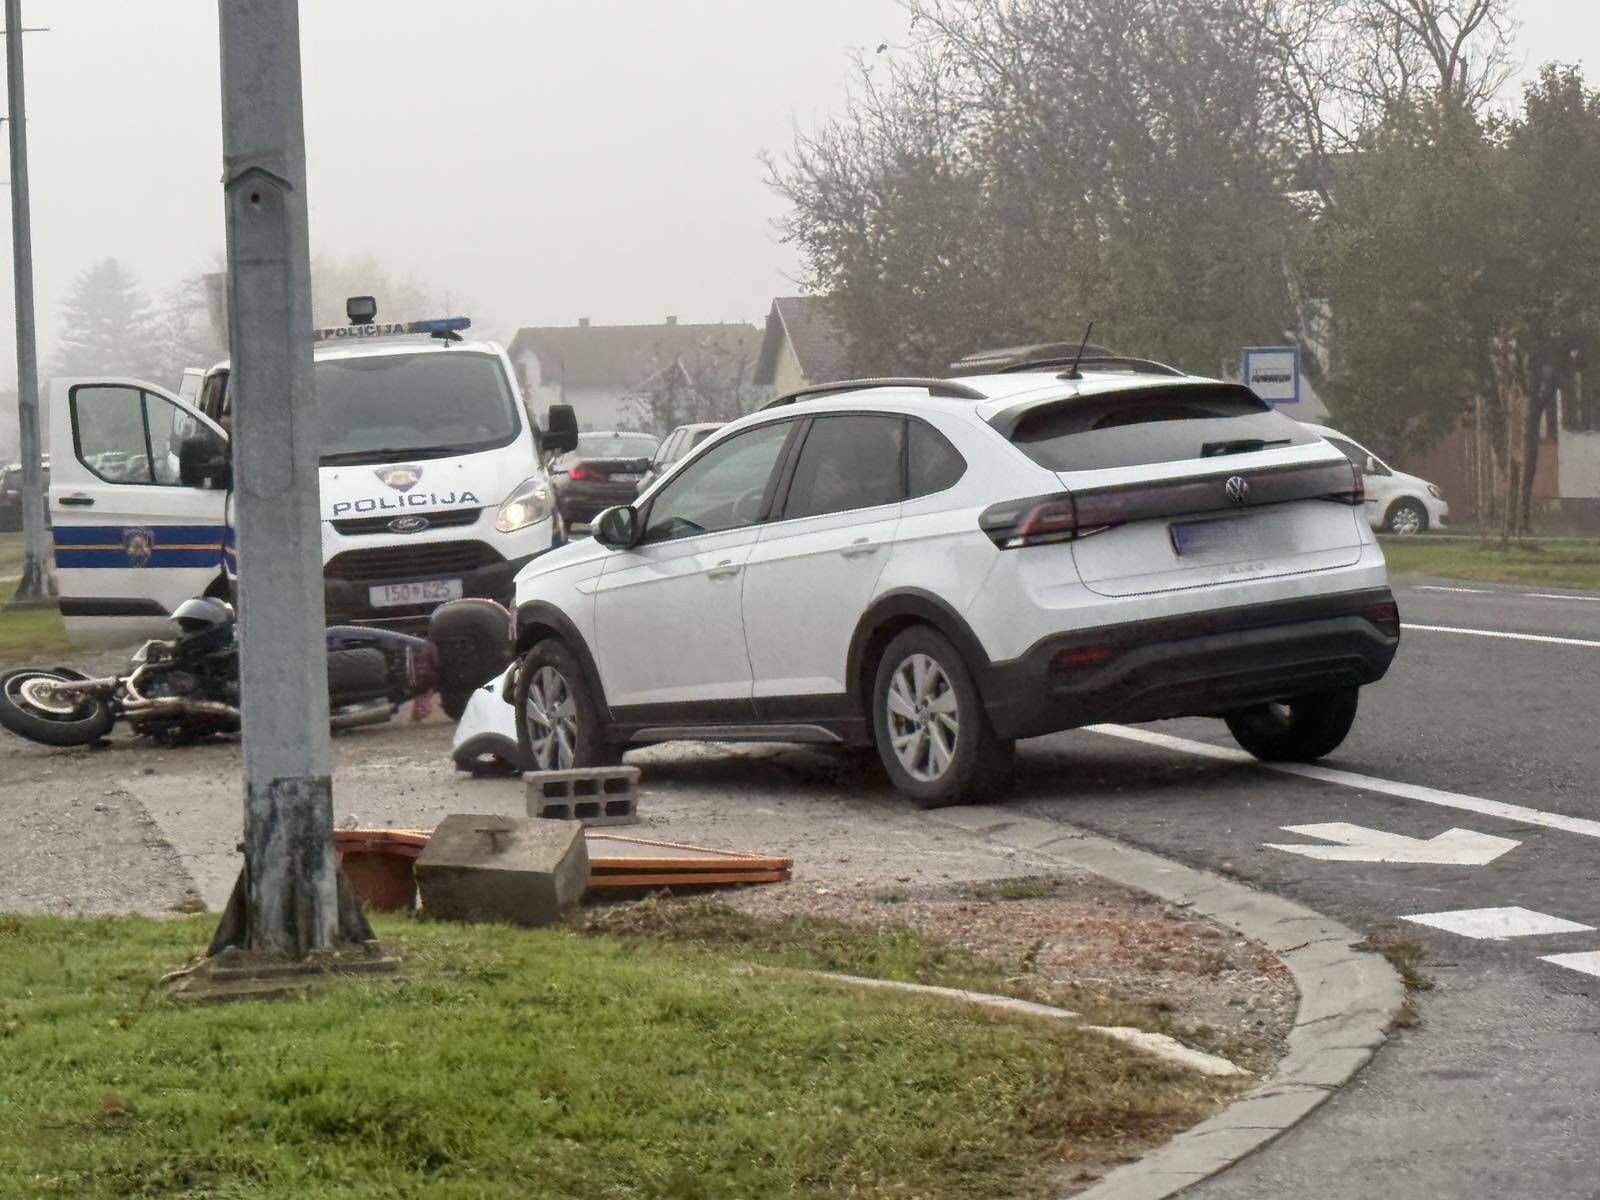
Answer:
(948, 388)
(1139, 366)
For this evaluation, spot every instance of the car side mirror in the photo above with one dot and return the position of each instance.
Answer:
(203, 462)
(561, 429)
(617, 528)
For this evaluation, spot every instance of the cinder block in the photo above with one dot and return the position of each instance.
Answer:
(491, 868)
(593, 795)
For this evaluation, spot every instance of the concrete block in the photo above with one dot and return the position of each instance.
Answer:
(593, 795)
(491, 868)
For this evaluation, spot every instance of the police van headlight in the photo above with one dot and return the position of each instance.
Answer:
(528, 504)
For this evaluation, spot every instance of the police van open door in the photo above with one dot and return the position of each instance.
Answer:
(132, 540)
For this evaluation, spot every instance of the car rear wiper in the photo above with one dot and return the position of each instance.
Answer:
(1239, 446)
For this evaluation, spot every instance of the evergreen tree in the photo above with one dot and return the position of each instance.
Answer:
(107, 325)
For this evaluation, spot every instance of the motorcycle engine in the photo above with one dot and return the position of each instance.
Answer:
(170, 684)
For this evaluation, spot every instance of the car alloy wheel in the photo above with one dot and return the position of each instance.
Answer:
(1406, 519)
(551, 715)
(924, 718)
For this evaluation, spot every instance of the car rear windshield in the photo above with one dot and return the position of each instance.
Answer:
(374, 408)
(1167, 424)
(616, 445)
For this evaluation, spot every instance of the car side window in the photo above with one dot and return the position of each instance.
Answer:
(932, 463)
(668, 451)
(126, 435)
(848, 462)
(1367, 462)
(726, 488)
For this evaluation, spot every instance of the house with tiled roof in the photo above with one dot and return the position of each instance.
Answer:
(610, 373)
(803, 344)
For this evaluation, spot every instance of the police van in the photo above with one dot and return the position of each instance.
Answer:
(432, 479)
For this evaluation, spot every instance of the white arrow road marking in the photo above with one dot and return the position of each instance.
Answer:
(1498, 923)
(1497, 633)
(1458, 847)
(1588, 961)
(1368, 783)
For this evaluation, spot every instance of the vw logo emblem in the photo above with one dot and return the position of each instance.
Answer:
(408, 524)
(1238, 489)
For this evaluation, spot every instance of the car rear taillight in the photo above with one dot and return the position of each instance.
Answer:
(1386, 616)
(1036, 521)
(582, 472)
(1356, 494)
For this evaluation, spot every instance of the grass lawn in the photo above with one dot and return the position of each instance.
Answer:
(30, 635)
(1571, 564)
(516, 1063)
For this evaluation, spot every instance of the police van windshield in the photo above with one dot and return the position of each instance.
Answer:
(424, 405)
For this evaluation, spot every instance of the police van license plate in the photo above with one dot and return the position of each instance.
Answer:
(432, 591)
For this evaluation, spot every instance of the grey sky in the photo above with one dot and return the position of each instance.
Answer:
(540, 160)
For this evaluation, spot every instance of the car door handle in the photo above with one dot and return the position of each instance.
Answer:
(858, 548)
(78, 501)
(726, 569)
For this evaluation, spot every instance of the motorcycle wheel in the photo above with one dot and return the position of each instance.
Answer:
(357, 674)
(82, 725)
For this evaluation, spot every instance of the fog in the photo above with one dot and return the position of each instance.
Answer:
(536, 160)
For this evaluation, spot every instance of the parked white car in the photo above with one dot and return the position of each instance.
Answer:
(1396, 502)
(937, 568)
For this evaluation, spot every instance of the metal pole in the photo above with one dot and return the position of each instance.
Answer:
(34, 585)
(288, 892)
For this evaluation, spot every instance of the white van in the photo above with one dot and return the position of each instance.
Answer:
(433, 484)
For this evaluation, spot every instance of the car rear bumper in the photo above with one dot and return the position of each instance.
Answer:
(1205, 664)
(581, 502)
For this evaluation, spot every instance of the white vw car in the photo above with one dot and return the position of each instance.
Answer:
(937, 568)
(1396, 502)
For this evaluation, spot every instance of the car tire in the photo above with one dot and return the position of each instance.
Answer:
(1406, 517)
(559, 726)
(933, 735)
(1301, 730)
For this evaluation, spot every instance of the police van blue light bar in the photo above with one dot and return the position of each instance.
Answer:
(446, 328)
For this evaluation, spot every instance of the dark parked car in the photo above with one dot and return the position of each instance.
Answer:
(11, 498)
(604, 470)
(678, 443)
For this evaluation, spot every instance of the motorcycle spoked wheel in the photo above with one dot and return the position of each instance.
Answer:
(27, 712)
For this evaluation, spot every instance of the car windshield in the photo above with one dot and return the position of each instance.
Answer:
(615, 445)
(423, 405)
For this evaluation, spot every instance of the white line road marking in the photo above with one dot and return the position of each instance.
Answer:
(1369, 783)
(1458, 847)
(1434, 587)
(1560, 596)
(1588, 961)
(1498, 923)
(1497, 633)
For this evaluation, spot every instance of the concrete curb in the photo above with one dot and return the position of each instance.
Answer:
(1347, 996)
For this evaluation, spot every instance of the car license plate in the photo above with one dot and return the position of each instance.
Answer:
(1193, 539)
(627, 476)
(432, 591)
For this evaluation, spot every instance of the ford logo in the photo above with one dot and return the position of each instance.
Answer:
(1238, 490)
(408, 524)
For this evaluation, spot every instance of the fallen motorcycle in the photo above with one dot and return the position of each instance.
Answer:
(186, 688)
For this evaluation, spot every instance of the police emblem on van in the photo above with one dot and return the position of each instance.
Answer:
(408, 524)
(139, 544)
(400, 478)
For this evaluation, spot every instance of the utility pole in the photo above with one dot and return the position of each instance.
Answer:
(288, 898)
(34, 585)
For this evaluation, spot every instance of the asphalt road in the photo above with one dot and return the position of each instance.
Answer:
(1497, 1092)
